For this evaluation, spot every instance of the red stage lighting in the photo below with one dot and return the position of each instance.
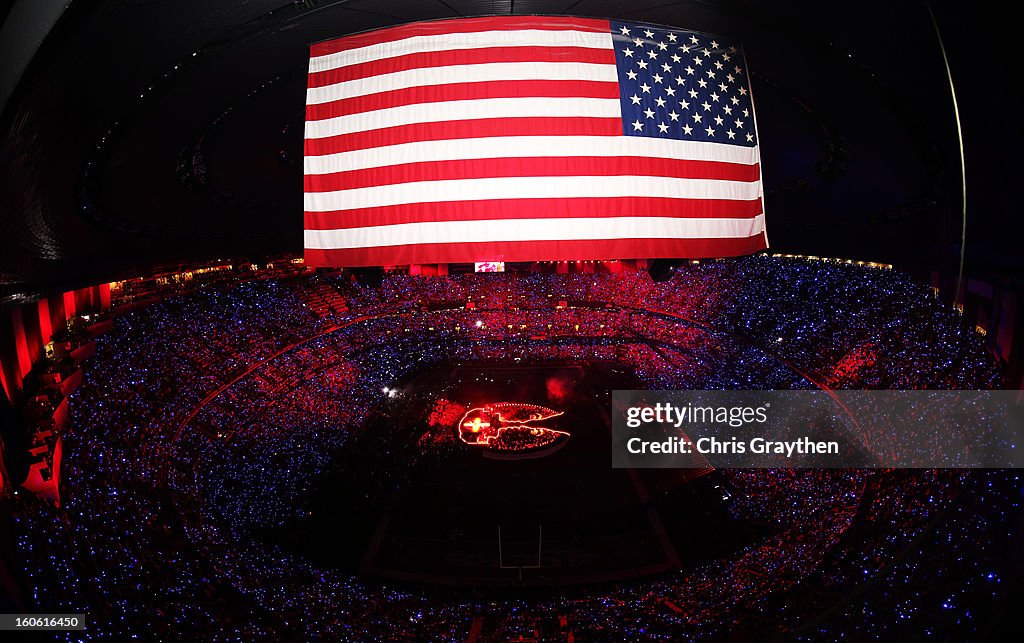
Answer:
(509, 426)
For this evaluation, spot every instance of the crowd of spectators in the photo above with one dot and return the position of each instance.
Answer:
(208, 417)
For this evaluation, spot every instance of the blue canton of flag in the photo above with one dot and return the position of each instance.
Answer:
(682, 85)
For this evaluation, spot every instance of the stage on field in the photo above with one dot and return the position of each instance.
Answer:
(419, 500)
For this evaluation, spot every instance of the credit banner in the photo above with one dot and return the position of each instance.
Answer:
(817, 429)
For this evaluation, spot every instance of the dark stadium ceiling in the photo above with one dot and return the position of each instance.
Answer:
(147, 133)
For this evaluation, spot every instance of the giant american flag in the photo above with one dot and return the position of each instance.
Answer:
(528, 139)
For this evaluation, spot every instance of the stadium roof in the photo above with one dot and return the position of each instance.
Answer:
(144, 133)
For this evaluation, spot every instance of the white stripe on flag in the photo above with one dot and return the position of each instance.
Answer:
(453, 41)
(459, 74)
(534, 230)
(499, 147)
(535, 187)
(465, 110)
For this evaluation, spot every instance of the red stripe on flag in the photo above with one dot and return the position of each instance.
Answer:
(535, 251)
(530, 166)
(434, 59)
(463, 91)
(459, 25)
(482, 128)
(534, 209)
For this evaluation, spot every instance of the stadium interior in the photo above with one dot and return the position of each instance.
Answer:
(204, 436)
